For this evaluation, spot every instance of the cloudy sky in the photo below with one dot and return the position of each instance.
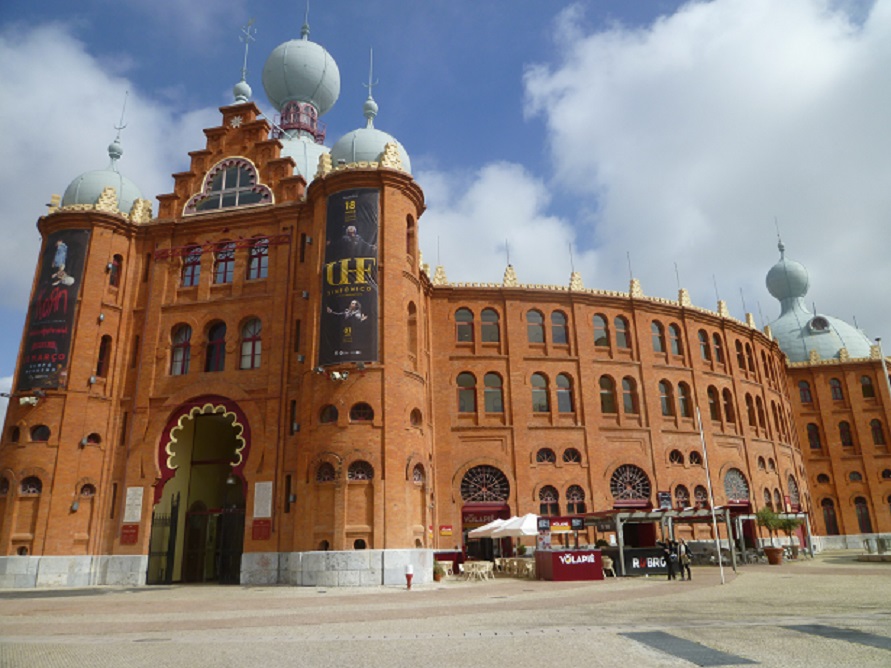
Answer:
(679, 134)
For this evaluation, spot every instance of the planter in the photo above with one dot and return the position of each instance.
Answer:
(437, 576)
(774, 555)
(794, 551)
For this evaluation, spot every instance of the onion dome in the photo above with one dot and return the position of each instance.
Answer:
(242, 92)
(799, 331)
(88, 187)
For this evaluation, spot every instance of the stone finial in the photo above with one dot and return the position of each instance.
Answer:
(634, 290)
(510, 277)
(750, 321)
(684, 297)
(141, 212)
(875, 352)
(324, 165)
(439, 276)
(425, 268)
(813, 356)
(391, 158)
(723, 311)
(768, 332)
(575, 282)
(843, 355)
(108, 200)
(53, 206)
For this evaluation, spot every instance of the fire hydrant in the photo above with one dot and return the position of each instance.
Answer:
(409, 573)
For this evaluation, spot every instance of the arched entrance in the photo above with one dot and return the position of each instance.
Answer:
(198, 521)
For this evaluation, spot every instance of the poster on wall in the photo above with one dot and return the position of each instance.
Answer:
(51, 314)
(348, 323)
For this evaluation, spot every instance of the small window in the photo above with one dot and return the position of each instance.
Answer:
(804, 392)
(666, 397)
(623, 339)
(490, 328)
(695, 459)
(844, 433)
(714, 407)
(88, 491)
(535, 326)
(191, 272)
(705, 351)
(886, 474)
(360, 470)
(658, 336)
(685, 402)
(40, 433)
(14, 434)
(493, 394)
(328, 414)
(464, 325)
(676, 457)
(4, 486)
(700, 494)
(103, 361)
(215, 359)
(762, 465)
(819, 324)
(360, 544)
(601, 331)
(867, 388)
(325, 472)
(224, 262)
(181, 351)
(813, 436)
(607, 395)
(258, 259)
(630, 403)
(540, 402)
(740, 356)
(565, 402)
(251, 344)
(361, 412)
(575, 500)
(466, 392)
(681, 496)
(771, 465)
(31, 486)
(855, 476)
(729, 412)
(878, 432)
(823, 479)
(674, 339)
(114, 271)
(546, 456)
(719, 348)
(548, 501)
(416, 419)
(558, 328)
(572, 456)
(835, 390)
(417, 475)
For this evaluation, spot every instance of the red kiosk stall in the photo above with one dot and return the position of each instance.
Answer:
(564, 563)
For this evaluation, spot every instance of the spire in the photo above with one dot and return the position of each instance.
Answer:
(370, 107)
(304, 31)
(115, 150)
(242, 91)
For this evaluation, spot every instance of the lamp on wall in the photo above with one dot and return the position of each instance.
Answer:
(231, 479)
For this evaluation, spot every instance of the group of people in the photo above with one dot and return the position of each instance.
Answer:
(677, 558)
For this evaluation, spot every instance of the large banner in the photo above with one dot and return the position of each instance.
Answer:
(51, 317)
(349, 328)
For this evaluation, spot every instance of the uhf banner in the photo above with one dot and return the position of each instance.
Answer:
(51, 317)
(349, 328)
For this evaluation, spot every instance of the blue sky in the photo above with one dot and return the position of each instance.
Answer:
(674, 132)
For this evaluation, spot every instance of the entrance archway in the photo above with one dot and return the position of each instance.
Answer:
(198, 522)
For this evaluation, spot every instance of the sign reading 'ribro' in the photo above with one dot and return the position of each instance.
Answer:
(51, 317)
(348, 323)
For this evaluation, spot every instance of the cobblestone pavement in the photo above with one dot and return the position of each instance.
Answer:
(828, 611)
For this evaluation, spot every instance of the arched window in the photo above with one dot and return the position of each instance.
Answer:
(681, 496)
(325, 472)
(736, 487)
(867, 388)
(114, 270)
(88, 490)
(767, 501)
(464, 325)
(705, 350)
(719, 348)
(416, 418)
(191, 273)
(804, 392)
(777, 500)
(829, 517)
(666, 397)
(4, 486)
(674, 340)
(762, 465)
(251, 344)
(548, 501)
(258, 258)
(835, 389)
(224, 262)
(40, 433)
(418, 476)
(601, 331)
(607, 395)
(750, 358)
(658, 335)
(630, 403)
(740, 356)
(750, 410)
(535, 326)
(575, 500)
(685, 402)
(676, 457)
(484, 484)
(729, 413)
(14, 434)
(629, 482)
(466, 383)
(878, 432)
(762, 422)
(546, 456)
(412, 331)
(565, 403)
(572, 456)
(862, 510)
(103, 361)
(493, 394)
(31, 486)
(490, 328)
(328, 414)
(823, 479)
(844, 433)
(695, 459)
(700, 495)
(215, 358)
(771, 464)
(623, 340)
(361, 412)
(714, 404)
(558, 328)
(540, 402)
(230, 183)
(409, 236)
(794, 494)
(181, 350)
(360, 470)
(813, 436)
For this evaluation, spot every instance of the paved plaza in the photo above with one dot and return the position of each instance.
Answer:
(828, 611)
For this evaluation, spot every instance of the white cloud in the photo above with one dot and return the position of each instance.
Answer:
(696, 132)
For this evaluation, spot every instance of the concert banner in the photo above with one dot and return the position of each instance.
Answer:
(47, 344)
(348, 323)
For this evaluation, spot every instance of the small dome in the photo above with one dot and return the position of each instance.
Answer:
(88, 187)
(302, 71)
(242, 91)
(787, 279)
(366, 145)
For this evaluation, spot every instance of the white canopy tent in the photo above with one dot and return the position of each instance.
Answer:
(527, 525)
(486, 530)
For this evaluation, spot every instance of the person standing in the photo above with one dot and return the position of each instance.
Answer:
(670, 557)
(684, 559)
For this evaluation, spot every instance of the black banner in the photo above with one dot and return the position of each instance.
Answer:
(348, 324)
(47, 346)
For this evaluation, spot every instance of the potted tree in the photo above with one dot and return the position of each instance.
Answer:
(771, 521)
(438, 572)
(789, 525)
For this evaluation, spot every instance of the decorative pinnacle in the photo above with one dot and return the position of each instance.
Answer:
(115, 150)
(246, 37)
(370, 107)
(304, 31)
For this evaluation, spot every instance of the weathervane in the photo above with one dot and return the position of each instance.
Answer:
(371, 83)
(247, 36)
(122, 125)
